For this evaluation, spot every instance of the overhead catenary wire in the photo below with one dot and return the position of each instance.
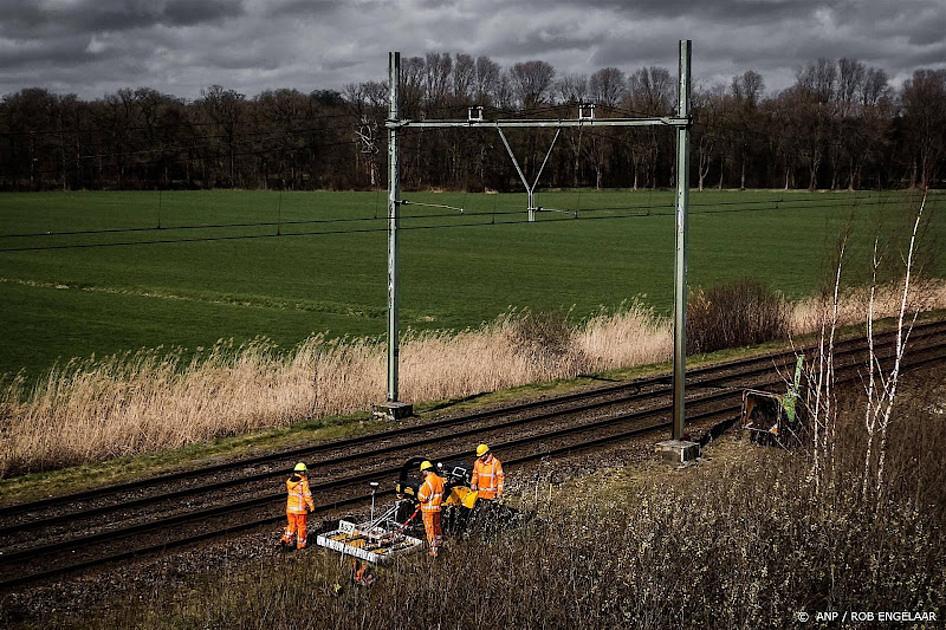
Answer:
(367, 230)
(780, 203)
(408, 202)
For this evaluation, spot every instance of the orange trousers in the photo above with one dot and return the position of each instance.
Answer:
(296, 528)
(432, 528)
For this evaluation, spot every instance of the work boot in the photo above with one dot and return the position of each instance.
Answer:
(363, 577)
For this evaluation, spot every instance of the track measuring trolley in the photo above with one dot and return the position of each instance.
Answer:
(397, 530)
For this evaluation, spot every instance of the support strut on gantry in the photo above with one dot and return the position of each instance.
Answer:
(530, 190)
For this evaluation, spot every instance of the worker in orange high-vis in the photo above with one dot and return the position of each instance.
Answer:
(298, 505)
(430, 496)
(488, 474)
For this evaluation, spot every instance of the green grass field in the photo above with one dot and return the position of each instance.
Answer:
(102, 300)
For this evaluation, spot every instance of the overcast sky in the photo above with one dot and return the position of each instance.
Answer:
(91, 47)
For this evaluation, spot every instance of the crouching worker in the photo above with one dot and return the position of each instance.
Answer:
(298, 505)
(488, 477)
(430, 496)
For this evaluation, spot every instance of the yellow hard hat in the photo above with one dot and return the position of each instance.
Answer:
(481, 450)
(300, 467)
(425, 465)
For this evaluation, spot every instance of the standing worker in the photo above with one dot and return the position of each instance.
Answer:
(298, 505)
(488, 474)
(430, 496)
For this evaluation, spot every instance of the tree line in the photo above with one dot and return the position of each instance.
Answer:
(841, 125)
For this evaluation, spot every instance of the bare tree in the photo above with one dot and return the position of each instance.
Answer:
(784, 139)
(225, 107)
(709, 108)
(881, 387)
(437, 76)
(572, 89)
(649, 92)
(464, 76)
(532, 81)
(607, 86)
(747, 89)
(366, 102)
(505, 94)
(413, 73)
(841, 124)
(821, 396)
(486, 81)
(924, 113)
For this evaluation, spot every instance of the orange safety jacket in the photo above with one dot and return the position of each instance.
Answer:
(300, 496)
(488, 477)
(430, 493)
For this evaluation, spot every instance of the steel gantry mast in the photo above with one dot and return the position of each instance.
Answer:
(680, 258)
(476, 120)
(394, 219)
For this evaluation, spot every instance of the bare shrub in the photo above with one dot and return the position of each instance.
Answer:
(737, 314)
(545, 339)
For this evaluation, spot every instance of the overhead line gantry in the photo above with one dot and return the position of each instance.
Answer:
(681, 122)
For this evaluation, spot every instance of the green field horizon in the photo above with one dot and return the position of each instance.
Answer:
(83, 301)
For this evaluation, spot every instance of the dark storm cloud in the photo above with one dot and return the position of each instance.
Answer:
(38, 17)
(735, 11)
(181, 46)
(540, 41)
(321, 8)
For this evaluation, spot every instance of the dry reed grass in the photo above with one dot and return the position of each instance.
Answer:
(924, 295)
(151, 400)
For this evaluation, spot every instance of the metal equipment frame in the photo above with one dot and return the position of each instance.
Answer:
(375, 540)
(475, 119)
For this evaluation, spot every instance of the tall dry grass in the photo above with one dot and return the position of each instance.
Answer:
(85, 411)
(925, 295)
(150, 400)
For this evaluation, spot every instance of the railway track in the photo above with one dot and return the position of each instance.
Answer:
(49, 512)
(543, 428)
